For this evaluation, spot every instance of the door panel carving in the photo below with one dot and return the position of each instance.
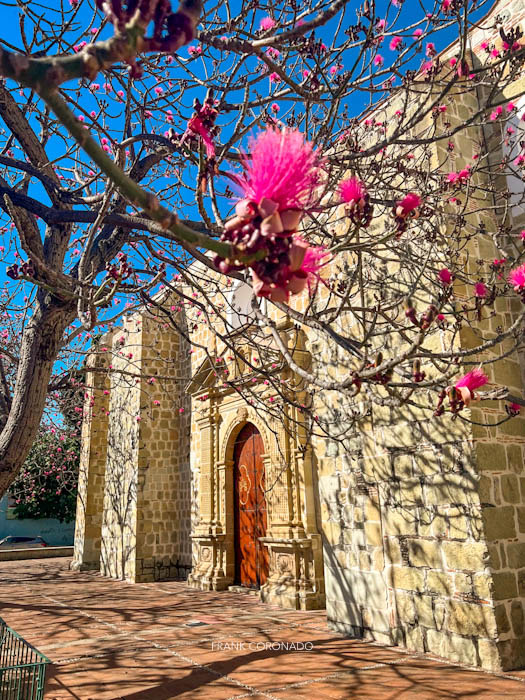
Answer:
(251, 556)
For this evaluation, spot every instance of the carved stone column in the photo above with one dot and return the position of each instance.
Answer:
(212, 568)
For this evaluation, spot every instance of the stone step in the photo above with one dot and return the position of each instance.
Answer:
(243, 589)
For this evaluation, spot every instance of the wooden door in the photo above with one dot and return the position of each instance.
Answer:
(251, 556)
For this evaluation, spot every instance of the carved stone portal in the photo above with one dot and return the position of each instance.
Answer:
(295, 577)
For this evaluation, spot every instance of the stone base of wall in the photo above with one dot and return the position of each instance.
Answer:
(161, 569)
(285, 594)
(487, 654)
(84, 565)
(355, 632)
(202, 581)
(511, 654)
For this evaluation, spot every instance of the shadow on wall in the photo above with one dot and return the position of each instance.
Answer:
(404, 545)
(119, 520)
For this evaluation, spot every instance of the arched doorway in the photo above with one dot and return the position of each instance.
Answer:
(251, 556)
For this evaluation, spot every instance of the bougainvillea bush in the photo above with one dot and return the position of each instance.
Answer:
(46, 486)
(337, 150)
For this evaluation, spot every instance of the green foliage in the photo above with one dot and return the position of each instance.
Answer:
(47, 484)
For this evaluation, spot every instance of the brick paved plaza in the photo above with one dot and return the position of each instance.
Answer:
(157, 641)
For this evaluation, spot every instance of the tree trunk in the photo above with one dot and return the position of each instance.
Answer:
(41, 342)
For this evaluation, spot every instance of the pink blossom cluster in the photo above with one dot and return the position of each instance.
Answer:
(354, 194)
(457, 178)
(202, 124)
(405, 210)
(281, 174)
(517, 280)
(462, 393)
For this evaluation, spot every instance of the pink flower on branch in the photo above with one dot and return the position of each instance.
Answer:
(480, 290)
(354, 194)
(202, 124)
(352, 191)
(281, 166)
(468, 383)
(473, 380)
(408, 205)
(267, 23)
(445, 276)
(396, 43)
(517, 278)
(279, 183)
(404, 209)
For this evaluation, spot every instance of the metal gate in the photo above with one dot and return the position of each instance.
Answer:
(22, 667)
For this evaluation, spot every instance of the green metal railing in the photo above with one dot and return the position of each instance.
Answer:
(22, 667)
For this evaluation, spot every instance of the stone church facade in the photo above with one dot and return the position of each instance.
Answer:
(411, 532)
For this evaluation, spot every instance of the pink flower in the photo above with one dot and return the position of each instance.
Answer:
(514, 409)
(378, 60)
(395, 43)
(480, 290)
(417, 33)
(445, 276)
(463, 175)
(275, 77)
(408, 204)
(517, 278)
(352, 190)
(522, 235)
(446, 5)
(467, 384)
(473, 380)
(354, 193)
(281, 167)
(275, 107)
(201, 124)
(430, 49)
(267, 23)
(195, 124)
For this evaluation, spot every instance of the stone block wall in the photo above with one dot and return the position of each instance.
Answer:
(146, 521)
(92, 469)
(119, 520)
(423, 517)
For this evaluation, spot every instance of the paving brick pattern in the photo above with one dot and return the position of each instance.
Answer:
(157, 641)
